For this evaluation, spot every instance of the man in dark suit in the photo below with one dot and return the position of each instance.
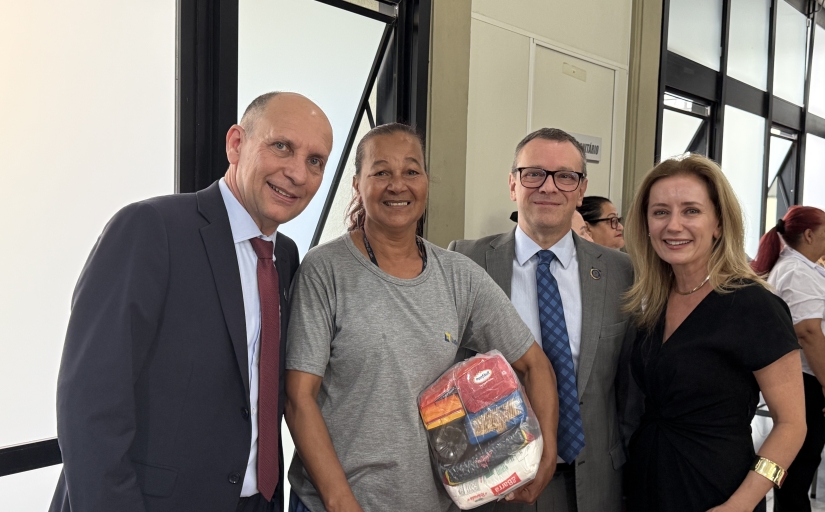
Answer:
(568, 291)
(170, 393)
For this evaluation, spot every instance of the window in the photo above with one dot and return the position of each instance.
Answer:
(781, 175)
(695, 30)
(750, 111)
(685, 127)
(743, 152)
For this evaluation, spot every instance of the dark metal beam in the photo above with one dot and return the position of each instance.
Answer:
(403, 83)
(663, 67)
(29, 456)
(718, 130)
(363, 104)
(357, 9)
(802, 142)
(691, 77)
(769, 106)
(747, 97)
(207, 90)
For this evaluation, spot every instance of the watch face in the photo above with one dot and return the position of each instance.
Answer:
(451, 442)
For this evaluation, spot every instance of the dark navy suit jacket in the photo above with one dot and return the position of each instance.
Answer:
(153, 391)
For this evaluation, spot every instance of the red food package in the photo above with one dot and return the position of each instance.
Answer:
(437, 390)
(484, 382)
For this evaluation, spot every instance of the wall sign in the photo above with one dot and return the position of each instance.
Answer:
(592, 146)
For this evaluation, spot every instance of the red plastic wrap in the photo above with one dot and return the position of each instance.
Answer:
(484, 382)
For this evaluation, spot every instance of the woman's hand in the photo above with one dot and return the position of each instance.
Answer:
(350, 505)
(312, 441)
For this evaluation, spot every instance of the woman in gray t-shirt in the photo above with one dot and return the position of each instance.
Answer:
(377, 315)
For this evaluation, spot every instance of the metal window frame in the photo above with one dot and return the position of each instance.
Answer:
(683, 76)
(703, 133)
(206, 98)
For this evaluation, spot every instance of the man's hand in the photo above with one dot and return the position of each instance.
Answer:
(530, 492)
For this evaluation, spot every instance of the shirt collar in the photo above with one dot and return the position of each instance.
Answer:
(526, 248)
(791, 252)
(240, 222)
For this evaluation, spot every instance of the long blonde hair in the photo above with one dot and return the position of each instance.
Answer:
(653, 279)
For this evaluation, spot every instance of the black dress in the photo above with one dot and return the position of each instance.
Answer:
(694, 447)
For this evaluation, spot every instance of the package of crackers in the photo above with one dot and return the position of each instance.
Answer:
(484, 437)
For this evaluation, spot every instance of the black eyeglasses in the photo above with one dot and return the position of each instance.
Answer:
(614, 221)
(534, 177)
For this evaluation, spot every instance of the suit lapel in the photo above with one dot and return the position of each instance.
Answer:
(220, 249)
(593, 294)
(500, 260)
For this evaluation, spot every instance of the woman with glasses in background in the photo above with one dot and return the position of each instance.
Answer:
(603, 221)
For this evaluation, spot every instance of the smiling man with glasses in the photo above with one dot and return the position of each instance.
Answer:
(568, 292)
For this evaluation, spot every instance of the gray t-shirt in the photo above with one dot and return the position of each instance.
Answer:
(378, 341)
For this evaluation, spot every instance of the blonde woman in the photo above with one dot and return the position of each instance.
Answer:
(711, 336)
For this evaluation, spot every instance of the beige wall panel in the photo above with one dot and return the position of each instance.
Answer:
(447, 128)
(576, 96)
(598, 27)
(643, 95)
(496, 121)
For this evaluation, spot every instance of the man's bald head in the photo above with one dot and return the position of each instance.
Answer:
(260, 104)
(277, 157)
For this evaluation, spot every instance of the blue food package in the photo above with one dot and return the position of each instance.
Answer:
(496, 418)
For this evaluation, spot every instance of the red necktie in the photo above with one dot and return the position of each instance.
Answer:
(268, 369)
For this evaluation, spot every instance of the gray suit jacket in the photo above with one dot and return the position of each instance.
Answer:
(604, 383)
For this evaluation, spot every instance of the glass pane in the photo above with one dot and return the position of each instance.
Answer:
(677, 132)
(748, 43)
(336, 47)
(29, 491)
(109, 74)
(813, 188)
(336, 224)
(816, 100)
(743, 151)
(789, 62)
(695, 30)
(779, 150)
(770, 206)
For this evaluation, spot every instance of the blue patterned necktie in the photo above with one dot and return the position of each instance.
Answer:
(556, 344)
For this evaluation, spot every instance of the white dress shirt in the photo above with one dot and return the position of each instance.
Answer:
(565, 268)
(524, 295)
(243, 228)
(801, 283)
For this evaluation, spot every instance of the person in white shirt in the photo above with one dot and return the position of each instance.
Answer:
(800, 282)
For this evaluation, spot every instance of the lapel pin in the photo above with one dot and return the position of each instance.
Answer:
(595, 273)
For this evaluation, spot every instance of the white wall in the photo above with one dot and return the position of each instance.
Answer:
(87, 99)
(501, 100)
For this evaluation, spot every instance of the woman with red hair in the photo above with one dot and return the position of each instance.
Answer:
(797, 278)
